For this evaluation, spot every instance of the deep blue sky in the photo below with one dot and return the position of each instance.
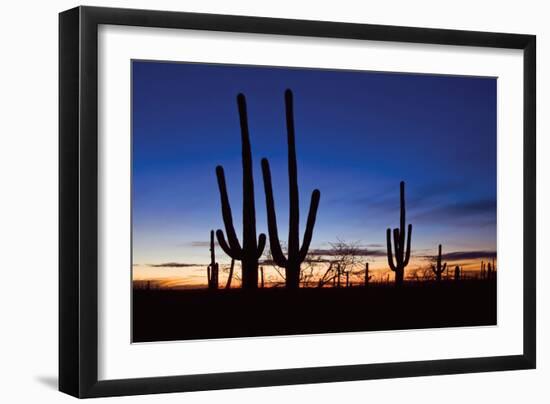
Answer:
(357, 135)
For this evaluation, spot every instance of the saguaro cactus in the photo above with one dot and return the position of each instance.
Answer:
(402, 254)
(296, 254)
(489, 271)
(438, 269)
(457, 273)
(367, 276)
(212, 270)
(251, 249)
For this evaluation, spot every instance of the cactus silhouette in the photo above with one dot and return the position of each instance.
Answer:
(295, 254)
(251, 249)
(482, 270)
(262, 277)
(212, 270)
(367, 276)
(438, 269)
(230, 276)
(489, 271)
(402, 254)
(457, 273)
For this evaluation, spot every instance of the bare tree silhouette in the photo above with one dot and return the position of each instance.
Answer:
(251, 249)
(295, 254)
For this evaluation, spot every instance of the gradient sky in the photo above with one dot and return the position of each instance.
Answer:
(358, 134)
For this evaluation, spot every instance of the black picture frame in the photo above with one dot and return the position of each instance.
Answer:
(78, 204)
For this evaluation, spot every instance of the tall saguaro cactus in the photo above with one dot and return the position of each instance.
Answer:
(402, 253)
(212, 270)
(251, 249)
(296, 254)
(438, 269)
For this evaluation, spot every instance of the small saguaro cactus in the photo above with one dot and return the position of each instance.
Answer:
(438, 269)
(367, 276)
(489, 271)
(402, 254)
(296, 254)
(212, 270)
(457, 273)
(251, 249)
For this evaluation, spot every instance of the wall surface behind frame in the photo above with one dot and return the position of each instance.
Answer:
(28, 207)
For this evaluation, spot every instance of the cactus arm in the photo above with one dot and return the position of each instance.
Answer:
(274, 242)
(261, 244)
(433, 269)
(444, 267)
(389, 250)
(313, 206)
(226, 212)
(230, 276)
(408, 250)
(235, 254)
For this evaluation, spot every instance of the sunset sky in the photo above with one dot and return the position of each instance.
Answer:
(358, 134)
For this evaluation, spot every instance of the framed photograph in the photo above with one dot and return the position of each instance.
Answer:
(251, 201)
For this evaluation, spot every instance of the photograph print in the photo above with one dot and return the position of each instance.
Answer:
(283, 201)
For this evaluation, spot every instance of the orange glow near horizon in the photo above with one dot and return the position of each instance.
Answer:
(194, 276)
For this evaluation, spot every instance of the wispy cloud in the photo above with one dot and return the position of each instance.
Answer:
(201, 243)
(173, 265)
(481, 212)
(365, 252)
(465, 255)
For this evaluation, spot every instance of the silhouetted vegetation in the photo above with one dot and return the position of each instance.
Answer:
(322, 279)
(251, 249)
(402, 254)
(367, 276)
(212, 270)
(438, 269)
(295, 254)
(230, 275)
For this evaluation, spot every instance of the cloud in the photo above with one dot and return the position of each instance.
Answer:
(375, 245)
(173, 265)
(365, 252)
(201, 243)
(460, 211)
(465, 255)
(388, 199)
